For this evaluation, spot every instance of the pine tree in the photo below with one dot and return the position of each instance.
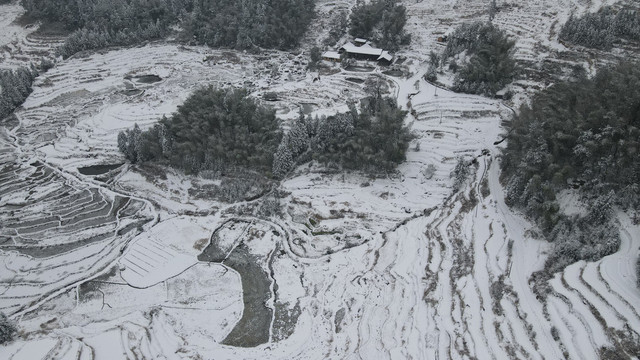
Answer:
(460, 173)
(7, 329)
(282, 160)
(432, 71)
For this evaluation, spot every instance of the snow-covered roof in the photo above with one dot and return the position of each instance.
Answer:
(331, 55)
(386, 56)
(364, 50)
(360, 40)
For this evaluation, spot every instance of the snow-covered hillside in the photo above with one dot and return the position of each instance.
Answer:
(139, 262)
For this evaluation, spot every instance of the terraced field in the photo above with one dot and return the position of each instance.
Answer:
(132, 264)
(57, 231)
(19, 45)
(533, 25)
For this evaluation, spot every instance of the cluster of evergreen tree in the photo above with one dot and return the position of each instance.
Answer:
(337, 28)
(91, 39)
(373, 140)
(247, 24)
(582, 133)
(15, 86)
(491, 65)
(97, 24)
(214, 129)
(381, 21)
(601, 30)
(237, 24)
(113, 15)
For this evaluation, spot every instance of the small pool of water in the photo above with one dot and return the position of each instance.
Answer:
(307, 108)
(355, 80)
(132, 92)
(98, 169)
(359, 68)
(395, 73)
(148, 79)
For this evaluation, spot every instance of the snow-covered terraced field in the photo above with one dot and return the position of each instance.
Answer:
(19, 45)
(534, 26)
(401, 267)
(57, 230)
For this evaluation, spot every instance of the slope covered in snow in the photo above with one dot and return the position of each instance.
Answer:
(145, 262)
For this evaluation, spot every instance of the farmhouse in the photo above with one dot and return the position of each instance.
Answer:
(366, 52)
(385, 58)
(331, 56)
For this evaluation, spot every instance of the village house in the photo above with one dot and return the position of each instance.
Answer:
(361, 50)
(366, 52)
(332, 56)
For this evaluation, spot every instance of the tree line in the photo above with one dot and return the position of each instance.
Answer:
(246, 24)
(582, 134)
(97, 24)
(15, 86)
(603, 29)
(226, 129)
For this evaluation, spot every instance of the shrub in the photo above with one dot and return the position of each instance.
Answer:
(429, 171)
(638, 271)
(7, 329)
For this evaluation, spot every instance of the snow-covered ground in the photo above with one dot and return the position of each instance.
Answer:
(137, 266)
(19, 45)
